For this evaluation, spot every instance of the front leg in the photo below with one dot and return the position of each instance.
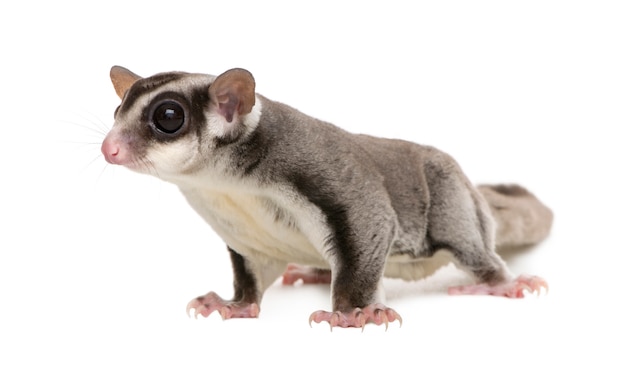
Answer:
(250, 280)
(357, 266)
(354, 227)
(357, 300)
(375, 313)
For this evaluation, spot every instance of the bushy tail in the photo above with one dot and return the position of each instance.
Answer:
(520, 217)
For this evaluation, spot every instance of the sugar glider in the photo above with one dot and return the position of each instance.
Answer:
(295, 196)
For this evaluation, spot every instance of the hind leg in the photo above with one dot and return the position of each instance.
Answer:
(492, 276)
(462, 224)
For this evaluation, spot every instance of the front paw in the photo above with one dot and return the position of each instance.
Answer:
(373, 313)
(207, 304)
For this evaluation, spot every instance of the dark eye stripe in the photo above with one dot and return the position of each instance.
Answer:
(146, 86)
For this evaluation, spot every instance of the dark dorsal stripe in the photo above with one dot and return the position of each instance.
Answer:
(144, 86)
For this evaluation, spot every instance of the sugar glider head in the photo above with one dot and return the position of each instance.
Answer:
(173, 123)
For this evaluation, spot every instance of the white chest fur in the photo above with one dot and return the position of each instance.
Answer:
(255, 224)
(270, 224)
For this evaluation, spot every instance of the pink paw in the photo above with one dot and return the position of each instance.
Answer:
(373, 313)
(308, 275)
(513, 289)
(207, 304)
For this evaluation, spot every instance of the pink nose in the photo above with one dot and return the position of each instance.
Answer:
(113, 151)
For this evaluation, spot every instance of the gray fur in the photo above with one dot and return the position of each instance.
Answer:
(521, 218)
(285, 187)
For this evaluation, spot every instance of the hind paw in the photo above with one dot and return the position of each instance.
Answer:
(308, 275)
(512, 289)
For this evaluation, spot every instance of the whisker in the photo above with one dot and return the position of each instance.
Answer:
(105, 127)
(83, 134)
(85, 121)
(82, 148)
(149, 166)
(92, 128)
(94, 120)
(99, 177)
(82, 142)
(91, 162)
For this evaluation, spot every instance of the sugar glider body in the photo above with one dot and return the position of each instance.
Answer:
(282, 187)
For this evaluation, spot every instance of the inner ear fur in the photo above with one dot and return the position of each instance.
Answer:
(122, 79)
(233, 92)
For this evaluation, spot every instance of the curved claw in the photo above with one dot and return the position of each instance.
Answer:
(397, 317)
(334, 320)
(313, 317)
(225, 313)
(540, 283)
(205, 305)
(188, 309)
(391, 315)
(374, 313)
(380, 317)
(360, 318)
(512, 289)
(533, 284)
(194, 304)
(523, 287)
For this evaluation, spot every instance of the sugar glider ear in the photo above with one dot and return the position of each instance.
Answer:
(232, 93)
(122, 79)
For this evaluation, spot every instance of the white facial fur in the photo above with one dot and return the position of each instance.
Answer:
(171, 159)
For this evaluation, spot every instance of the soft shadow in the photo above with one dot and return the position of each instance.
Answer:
(436, 284)
(513, 255)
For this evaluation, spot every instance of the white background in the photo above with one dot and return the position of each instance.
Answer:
(98, 263)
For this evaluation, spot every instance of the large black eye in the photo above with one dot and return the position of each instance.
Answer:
(168, 117)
